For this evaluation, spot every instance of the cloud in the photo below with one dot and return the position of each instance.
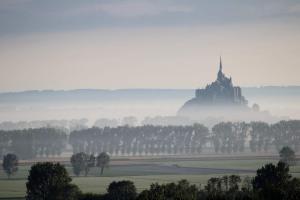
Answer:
(133, 8)
(12, 4)
(29, 16)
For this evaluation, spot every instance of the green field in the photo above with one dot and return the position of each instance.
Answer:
(228, 164)
(17, 188)
(142, 175)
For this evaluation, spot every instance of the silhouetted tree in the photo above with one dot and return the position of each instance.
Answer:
(287, 155)
(103, 161)
(5, 138)
(286, 133)
(91, 162)
(30, 143)
(274, 182)
(223, 137)
(91, 196)
(182, 190)
(200, 137)
(260, 136)
(234, 182)
(10, 164)
(79, 162)
(247, 184)
(121, 190)
(49, 181)
(226, 137)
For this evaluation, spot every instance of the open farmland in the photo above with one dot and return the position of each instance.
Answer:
(144, 172)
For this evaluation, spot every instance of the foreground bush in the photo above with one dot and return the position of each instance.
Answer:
(122, 190)
(50, 181)
(275, 182)
(91, 196)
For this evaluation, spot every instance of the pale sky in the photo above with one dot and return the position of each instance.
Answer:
(71, 44)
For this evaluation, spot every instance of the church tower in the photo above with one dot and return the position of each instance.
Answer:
(220, 69)
(220, 73)
(216, 100)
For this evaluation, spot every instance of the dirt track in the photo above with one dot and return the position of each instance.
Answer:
(173, 169)
(126, 160)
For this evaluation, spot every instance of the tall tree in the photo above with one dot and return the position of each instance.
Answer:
(91, 162)
(10, 164)
(103, 161)
(287, 155)
(79, 162)
(234, 181)
(286, 133)
(260, 136)
(200, 138)
(223, 137)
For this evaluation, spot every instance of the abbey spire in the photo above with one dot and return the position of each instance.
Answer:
(221, 76)
(220, 69)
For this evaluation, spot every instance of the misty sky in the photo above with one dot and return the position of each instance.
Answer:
(69, 44)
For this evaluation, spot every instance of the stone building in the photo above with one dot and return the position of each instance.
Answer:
(220, 91)
(221, 101)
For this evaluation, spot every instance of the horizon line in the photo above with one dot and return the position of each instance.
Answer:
(119, 89)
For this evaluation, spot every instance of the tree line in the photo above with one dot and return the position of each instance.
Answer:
(67, 125)
(224, 137)
(82, 162)
(50, 181)
(30, 143)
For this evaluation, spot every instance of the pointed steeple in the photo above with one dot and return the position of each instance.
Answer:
(221, 76)
(220, 64)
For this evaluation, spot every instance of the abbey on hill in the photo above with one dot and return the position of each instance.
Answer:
(220, 100)
(219, 92)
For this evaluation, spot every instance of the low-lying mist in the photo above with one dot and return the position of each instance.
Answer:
(280, 102)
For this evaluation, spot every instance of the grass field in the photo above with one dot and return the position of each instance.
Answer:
(228, 164)
(17, 188)
(144, 174)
